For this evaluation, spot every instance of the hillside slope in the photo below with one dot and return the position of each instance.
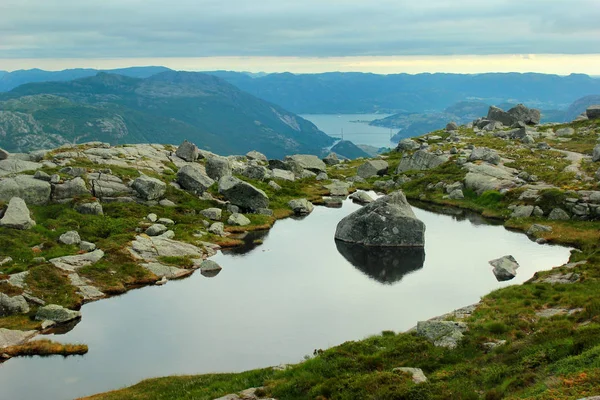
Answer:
(165, 108)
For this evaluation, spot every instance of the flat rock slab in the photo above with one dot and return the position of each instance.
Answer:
(150, 248)
(86, 290)
(9, 337)
(166, 271)
(73, 263)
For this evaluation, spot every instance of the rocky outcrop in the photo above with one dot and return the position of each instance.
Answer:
(243, 194)
(193, 178)
(301, 206)
(407, 145)
(517, 114)
(484, 154)
(257, 156)
(93, 208)
(149, 188)
(421, 160)
(17, 215)
(150, 248)
(238, 219)
(12, 305)
(331, 159)
(73, 263)
(69, 190)
(361, 197)
(299, 162)
(218, 167)
(9, 337)
(442, 333)
(33, 191)
(593, 112)
(481, 178)
(505, 268)
(388, 221)
(56, 313)
(187, 151)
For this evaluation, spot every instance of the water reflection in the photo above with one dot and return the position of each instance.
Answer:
(386, 265)
(251, 241)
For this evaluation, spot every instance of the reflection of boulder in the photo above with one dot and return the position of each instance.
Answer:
(384, 264)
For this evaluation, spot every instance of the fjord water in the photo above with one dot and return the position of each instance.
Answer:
(355, 128)
(275, 304)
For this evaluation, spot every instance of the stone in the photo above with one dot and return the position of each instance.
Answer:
(3, 154)
(451, 126)
(87, 246)
(543, 146)
(255, 172)
(331, 159)
(529, 116)
(333, 202)
(442, 333)
(497, 114)
(484, 177)
(416, 374)
(243, 194)
(372, 168)
(156, 229)
(537, 228)
(209, 268)
(217, 228)
(238, 220)
(212, 213)
(299, 162)
(484, 154)
(593, 111)
(194, 179)
(274, 185)
(12, 305)
(255, 155)
(522, 212)
(13, 166)
(106, 185)
(166, 221)
(152, 217)
(283, 174)
(217, 167)
(149, 188)
(558, 214)
(306, 174)
(70, 237)
(505, 268)
(406, 145)
(9, 337)
(361, 197)
(322, 176)
(187, 151)
(388, 221)
(167, 203)
(596, 153)
(301, 206)
(337, 188)
(70, 189)
(94, 208)
(420, 161)
(567, 278)
(150, 248)
(56, 313)
(72, 263)
(6, 260)
(17, 215)
(42, 176)
(166, 271)
(456, 194)
(568, 131)
(33, 191)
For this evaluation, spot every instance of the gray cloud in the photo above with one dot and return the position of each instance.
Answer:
(191, 28)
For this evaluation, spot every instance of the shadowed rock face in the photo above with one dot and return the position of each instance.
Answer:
(386, 265)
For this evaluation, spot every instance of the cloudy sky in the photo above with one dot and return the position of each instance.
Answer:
(303, 35)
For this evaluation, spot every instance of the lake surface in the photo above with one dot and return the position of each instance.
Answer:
(356, 132)
(275, 304)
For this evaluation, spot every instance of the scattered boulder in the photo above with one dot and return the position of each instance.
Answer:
(42, 176)
(388, 221)
(238, 220)
(70, 189)
(593, 112)
(421, 160)
(187, 151)
(558, 214)
(442, 333)
(301, 206)
(283, 174)
(483, 177)
(416, 374)
(209, 268)
(156, 229)
(299, 162)
(337, 188)
(451, 126)
(212, 213)
(407, 145)
(17, 215)
(256, 172)
(87, 246)
(149, 188)
(484, 154)
(255, 155)
(71, 237)
(529, 116)
(505, 268)
(12, 305)
(166, 271)
(361, 197)
(243, 194)
(522, 212)
(456, 194)
(274, 185)
(194, 179)
(497, 114)
(372, 168)
(331, 159)
(218, 167)
(94, 208)
(537, 228)
(56, 313)
(218, 228)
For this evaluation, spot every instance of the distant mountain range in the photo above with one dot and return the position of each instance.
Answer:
(167, 107)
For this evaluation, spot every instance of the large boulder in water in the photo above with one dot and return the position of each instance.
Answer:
(388, 221)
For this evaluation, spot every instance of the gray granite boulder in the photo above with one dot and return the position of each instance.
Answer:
(596, 153)
(255, 155)
(71, 237)
(421, 160)
(218, 228)
(497, 114)
(156, 229)
(238, 219)
(255, 172)
(442, 333)
(209, 268)
(212, 213)
(218, 167)
(243, 194)
(522, 212)
(301, 206)
(372, 168)
(505, 268)
(558, 214)
(451, 126)
(416, 374)
(407, 145)
(187, 151)
(149, 188)
(56, 313)
(9, 337)
(484, 154)
(593, 112)
(33, 191)
(388, 221)
(194, 179)
(331, 159)
(94, 208)
(361, 197)
(70, 189)
(17, 215)
(521, 113)
(298, 162)
(12, 305)
(537, 228)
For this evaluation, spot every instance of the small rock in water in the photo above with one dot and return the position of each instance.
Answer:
(505, 268)
(209, 268)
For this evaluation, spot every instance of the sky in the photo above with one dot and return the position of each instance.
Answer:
(383, 36)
